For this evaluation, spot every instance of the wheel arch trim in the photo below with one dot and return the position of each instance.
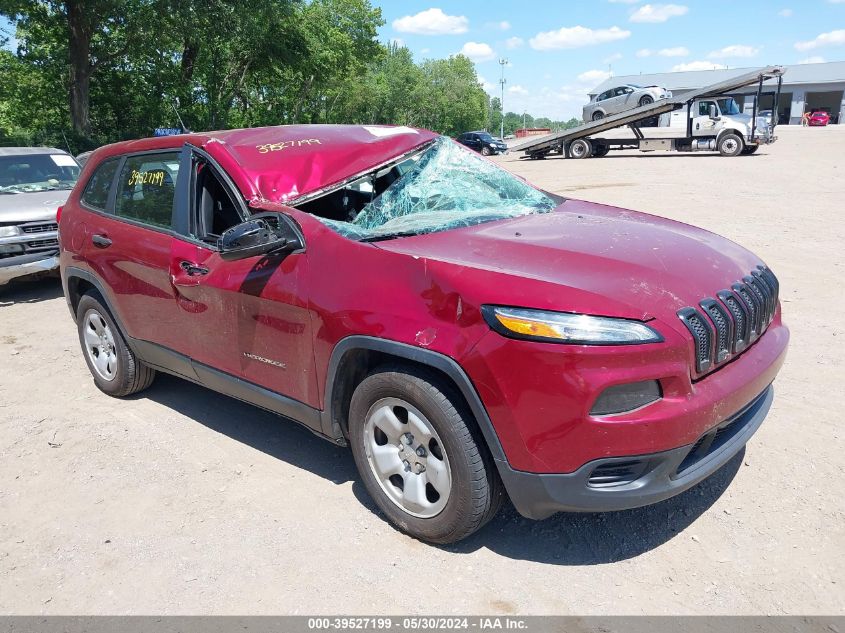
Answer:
(426, 357)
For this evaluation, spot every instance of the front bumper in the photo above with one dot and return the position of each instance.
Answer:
(621, 483)
(29, 264)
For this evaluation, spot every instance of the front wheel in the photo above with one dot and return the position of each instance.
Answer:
(485, 151)
(420, 455)
(730, 145)
(750, 150)
(598, 115)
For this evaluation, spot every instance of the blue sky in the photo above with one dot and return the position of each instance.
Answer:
(558, 50)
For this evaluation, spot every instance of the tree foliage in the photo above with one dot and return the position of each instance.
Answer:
(88, 72)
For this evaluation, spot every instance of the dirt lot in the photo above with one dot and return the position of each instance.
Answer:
(184, 501)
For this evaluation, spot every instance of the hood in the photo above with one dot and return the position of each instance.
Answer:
(31, 206)
(591, 258)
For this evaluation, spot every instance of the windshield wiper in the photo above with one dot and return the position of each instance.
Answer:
(389, 236)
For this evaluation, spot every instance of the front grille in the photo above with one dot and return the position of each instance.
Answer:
(725, 326)
(42, 244)
(44, 227)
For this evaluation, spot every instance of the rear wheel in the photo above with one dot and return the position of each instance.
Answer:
(115, 368)
(598, 115)
(580, 148)
(646, 100)
(730, 145)
(600, 150)
(420, 455)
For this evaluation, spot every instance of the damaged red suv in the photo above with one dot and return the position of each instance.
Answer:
(468, 335)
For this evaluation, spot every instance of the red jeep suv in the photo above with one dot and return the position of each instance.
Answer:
(468, 335)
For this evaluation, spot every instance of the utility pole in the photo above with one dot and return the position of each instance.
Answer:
(503, 62)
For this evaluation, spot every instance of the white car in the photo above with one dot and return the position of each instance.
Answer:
(622, 98)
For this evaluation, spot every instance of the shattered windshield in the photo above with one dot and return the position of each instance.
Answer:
(444, 186)
(37, 172)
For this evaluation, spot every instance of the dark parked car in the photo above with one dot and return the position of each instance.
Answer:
(468, 335)
(483, 143)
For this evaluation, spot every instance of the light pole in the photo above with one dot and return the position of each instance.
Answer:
(502, 63)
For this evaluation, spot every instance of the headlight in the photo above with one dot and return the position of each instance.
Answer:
(9, 231)
(561, 327)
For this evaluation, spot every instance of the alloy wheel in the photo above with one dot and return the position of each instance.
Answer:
(99, 345)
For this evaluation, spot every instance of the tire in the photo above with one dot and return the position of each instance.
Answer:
(403, 419)
(580, 148)
(485, 151)
(730, 145)
(646, 100)
(600, 150)
(750, 150)
(116, 370)
(598, 115)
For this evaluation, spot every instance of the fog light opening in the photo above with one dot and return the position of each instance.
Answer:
(626, 398)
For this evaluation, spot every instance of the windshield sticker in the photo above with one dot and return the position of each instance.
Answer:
(390, 131)
(62, 160)
(275, 147)
(146, 177)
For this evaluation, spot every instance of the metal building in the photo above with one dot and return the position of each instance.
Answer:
(806, 87)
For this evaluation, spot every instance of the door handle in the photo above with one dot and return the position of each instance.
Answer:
(101, 241)
(193, 269)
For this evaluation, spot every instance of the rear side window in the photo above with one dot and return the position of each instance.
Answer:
(146, 187)
(96, 194)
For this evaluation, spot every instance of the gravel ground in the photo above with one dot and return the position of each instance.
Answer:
(183, 501)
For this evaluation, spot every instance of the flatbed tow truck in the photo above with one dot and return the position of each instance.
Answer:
(701, 120)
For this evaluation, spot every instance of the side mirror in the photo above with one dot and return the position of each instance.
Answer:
(714, 113)
(264, 234)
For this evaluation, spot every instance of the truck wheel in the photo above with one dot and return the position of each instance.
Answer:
(750, 150)
(730, 145)
(580, 148)
(598, 115)
(116, 370)
(646, 100)
(600, 150)
(421, 456)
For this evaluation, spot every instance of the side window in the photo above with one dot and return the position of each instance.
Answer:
(704, 108)
(603, 95)
(214, 209)
(146, 187)
(96, 194)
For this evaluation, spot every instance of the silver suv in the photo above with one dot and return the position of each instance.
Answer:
(34, 183)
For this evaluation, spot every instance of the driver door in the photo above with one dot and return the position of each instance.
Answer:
(702, 123)
(247, 318)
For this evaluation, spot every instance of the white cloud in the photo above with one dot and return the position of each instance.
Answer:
(836, 1)
(504, 25)
(658, 12)
(485, 84)
(514, 42)
(478, 51)
(644, 52)
(517, 90)
(785, 13)
(833, 38)
(700, 65)
(813, 59)
(576, 37)
(432, 22)
(735, 50)
(594, 77)
(612, 58)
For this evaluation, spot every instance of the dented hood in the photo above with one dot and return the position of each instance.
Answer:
(617, 262)
(283, 163)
